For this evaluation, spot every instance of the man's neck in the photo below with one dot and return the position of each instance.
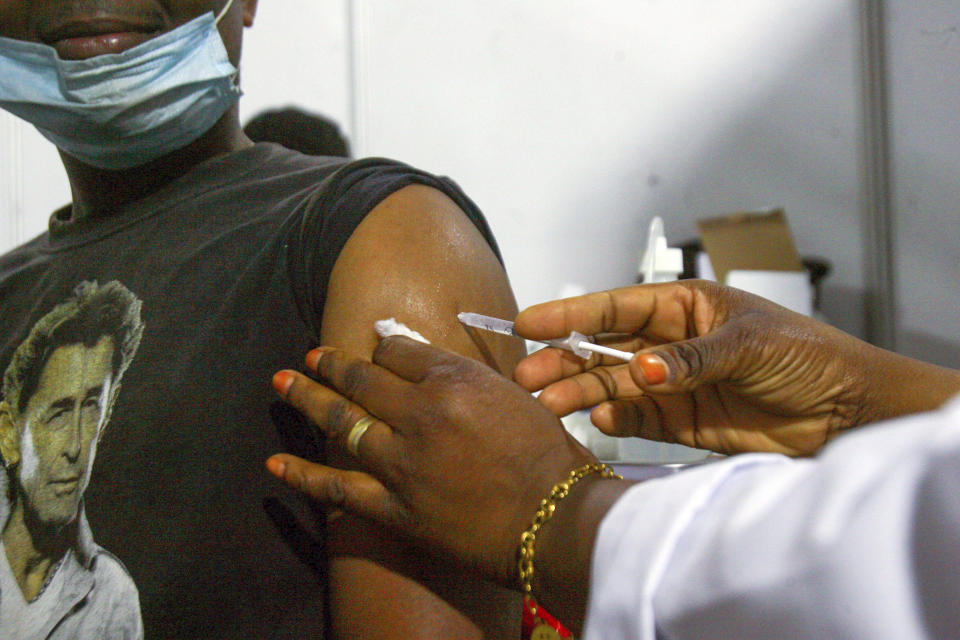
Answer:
(31, 557)
(99, 192)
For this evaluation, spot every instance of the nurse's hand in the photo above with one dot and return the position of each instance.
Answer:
(458, 457)
(720, 369)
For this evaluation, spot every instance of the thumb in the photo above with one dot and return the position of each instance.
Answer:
(681, 367)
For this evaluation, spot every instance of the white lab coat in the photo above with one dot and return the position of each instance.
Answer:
(862, 542)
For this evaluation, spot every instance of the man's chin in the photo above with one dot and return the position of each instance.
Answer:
(60, 522)
(52, 521)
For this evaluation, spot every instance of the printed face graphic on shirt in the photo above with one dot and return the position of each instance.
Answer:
(59, 390)
(62, 422)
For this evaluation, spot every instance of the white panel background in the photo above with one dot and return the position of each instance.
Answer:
(32, 182)
(571, 123)
(297, 53)
(924, 50)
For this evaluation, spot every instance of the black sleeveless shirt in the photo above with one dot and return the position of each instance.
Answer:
(230, 263)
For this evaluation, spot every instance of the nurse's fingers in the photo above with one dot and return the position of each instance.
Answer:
(351, 426)
(547, 366)
(409, 359)
(660, 311)
(661, 418)
(640, 418)
(375, 388)
(589, 389)
(352, 491)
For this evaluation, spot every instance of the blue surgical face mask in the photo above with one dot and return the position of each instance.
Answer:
(118, 111)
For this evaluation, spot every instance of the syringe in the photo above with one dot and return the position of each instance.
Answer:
(575, 342)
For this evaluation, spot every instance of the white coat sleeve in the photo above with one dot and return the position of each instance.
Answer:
(861, 542)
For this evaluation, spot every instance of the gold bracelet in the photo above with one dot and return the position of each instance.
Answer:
(547, 506)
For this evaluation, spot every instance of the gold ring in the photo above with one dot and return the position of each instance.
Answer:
(356, 432)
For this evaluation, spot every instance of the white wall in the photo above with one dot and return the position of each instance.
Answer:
(298, 53)
(572, 123)
(32, 182)
(924, 51)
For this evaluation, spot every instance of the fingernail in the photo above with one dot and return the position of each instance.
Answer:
(276, 467)
(313, 358)
(282, 381)
(653, 367)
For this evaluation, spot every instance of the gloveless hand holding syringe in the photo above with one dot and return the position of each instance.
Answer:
(576, 342)
(660, 263)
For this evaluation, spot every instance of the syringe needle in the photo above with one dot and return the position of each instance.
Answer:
(575, 342)
(487, 323)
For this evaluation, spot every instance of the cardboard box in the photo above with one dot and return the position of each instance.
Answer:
(749, 241)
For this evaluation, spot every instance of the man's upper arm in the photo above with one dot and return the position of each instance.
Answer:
(418, 258)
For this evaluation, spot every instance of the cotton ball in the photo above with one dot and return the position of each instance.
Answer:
(390, 327)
